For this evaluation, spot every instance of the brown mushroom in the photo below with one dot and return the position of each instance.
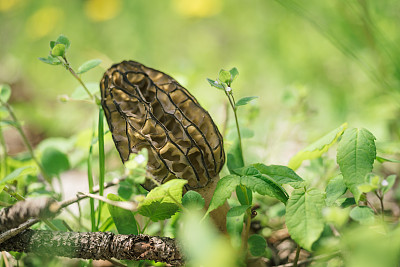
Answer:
(148, 109)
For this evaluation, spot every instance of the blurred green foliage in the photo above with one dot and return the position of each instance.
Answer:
(321, 62)
(313, 64)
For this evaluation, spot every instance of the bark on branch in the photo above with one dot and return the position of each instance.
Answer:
(20, 212)
(96, 245)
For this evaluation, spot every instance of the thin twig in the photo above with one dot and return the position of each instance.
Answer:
(77, 198)
(123, 205)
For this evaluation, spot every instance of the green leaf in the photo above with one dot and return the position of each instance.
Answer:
(125, 189)
(192, 199)
(386, 186)
(355, 156)
(346, 202)
(63, 40)
(245, 100)
(52, 44)
(238, 210)
(335, 189)
(248, 170)
(88, 65)
(162, 202)
(58, 50)
(266, 186)
(336, 215)
(225, 77)
(235, 157)
(215, 84)
(261, 184)
(234, 73)
(257, 245)
(372, 183)
(50, 60)
(17, 173)
(223, 191)
(234, 224)
(304, 216)
(280, 174)
(316, 149)
(241, 192)
(124, 219)
(362, 214)
(5, 92)
(381, 160)
(54, 161)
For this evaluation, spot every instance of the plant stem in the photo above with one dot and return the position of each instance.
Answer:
(100, 135)
(145, 226)
(226, 119)
(296, 259)
(380, 197)
(68, 67)
(372, 207)
(91, 183)
(25, 140)
(247, 231)
(232, 103)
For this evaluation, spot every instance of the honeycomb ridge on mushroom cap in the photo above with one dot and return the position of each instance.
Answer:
(148, 109)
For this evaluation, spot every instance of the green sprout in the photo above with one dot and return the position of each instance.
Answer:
(57, 56)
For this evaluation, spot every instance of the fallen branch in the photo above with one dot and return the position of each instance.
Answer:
(21, 211)
(96, 246)
(14, 219)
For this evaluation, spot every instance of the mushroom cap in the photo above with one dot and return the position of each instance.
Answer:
(148, 109)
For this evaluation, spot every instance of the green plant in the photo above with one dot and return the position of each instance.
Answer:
(328, 206)
(305, 205)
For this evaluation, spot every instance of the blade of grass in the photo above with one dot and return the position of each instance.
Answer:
(91, 185)
(100, 134)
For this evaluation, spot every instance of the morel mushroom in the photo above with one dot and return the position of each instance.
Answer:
(148, 109)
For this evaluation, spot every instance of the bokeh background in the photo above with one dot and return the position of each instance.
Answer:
(313, 64)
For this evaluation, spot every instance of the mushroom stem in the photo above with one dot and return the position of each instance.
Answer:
(219, 215)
